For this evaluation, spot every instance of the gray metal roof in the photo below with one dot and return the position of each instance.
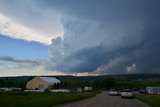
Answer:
(50, 80)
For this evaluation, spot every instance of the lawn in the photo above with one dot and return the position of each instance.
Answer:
(48, 99)
(152, 100)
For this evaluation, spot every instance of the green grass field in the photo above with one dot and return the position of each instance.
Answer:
(152, 100)
(48, 99)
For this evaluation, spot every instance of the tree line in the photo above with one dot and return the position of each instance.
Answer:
(97, 83)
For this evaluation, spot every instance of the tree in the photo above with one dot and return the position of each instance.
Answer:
(109, 83)
(106, 83)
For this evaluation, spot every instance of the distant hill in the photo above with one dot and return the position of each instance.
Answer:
(120, 76)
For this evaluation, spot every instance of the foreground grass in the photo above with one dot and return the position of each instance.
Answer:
(153, 101)
(47, 99)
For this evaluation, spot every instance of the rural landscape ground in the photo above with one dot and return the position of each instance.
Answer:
(98, 97)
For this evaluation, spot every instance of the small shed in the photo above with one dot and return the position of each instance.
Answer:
(41, 83)
(153, 89)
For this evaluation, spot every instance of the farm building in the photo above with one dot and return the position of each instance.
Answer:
(153, 89)
(41, 83)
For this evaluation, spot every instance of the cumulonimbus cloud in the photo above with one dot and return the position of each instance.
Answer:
(105, 43)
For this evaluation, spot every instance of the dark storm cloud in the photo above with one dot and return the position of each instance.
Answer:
(107, 37)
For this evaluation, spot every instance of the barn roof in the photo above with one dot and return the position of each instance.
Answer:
(50, 80)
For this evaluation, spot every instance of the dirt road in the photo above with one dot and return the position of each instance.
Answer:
(104, 100)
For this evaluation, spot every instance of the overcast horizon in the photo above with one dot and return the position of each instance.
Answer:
(79, 37)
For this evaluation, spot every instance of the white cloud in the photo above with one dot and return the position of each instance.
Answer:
(132, 69)
(84, 74)
(15, 30)
(30, 71)
(107, 68)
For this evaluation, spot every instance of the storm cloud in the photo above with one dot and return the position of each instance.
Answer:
(94, 36)
(106, 37)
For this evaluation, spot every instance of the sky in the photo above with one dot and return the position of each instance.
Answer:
(83, 37)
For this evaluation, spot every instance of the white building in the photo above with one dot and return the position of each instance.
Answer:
(6, 89)
(41, 83)
(86, 88)
(153, 89)
(60, 90)
(10, 89)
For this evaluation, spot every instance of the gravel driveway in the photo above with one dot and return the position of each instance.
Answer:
(104, 100)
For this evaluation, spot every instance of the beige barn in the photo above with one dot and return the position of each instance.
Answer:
(41, 83)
